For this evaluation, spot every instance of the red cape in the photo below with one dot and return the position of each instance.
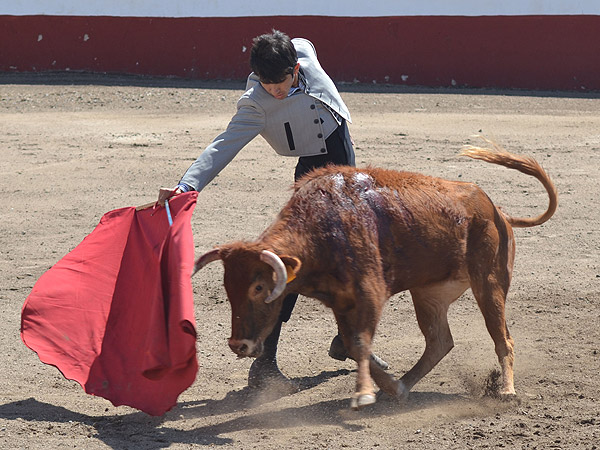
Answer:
(117, 313)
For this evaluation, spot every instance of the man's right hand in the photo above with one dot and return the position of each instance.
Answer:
(165, 193)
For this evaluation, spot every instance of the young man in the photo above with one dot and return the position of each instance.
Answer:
(295, 106)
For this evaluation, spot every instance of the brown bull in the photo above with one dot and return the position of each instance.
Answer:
(352, 238)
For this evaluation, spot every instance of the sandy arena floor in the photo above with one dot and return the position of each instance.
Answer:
(76, 146)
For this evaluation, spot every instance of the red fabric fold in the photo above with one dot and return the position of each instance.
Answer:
(116, 314)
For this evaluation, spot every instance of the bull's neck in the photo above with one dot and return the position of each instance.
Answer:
(283, 237)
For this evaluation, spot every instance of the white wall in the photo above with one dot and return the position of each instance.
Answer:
(347, 8)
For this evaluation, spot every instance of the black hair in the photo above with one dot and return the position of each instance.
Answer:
(273, 57)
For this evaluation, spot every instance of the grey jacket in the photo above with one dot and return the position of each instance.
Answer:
(291, 125)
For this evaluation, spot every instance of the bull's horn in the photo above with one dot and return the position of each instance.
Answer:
(208, 257)
(280, 273)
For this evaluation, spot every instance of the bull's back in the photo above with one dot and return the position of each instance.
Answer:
(411, 226)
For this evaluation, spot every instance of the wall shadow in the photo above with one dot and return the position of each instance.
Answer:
(75, 78)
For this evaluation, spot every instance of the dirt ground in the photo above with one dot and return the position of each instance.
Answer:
(74, 146)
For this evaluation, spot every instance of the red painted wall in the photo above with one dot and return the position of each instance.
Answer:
(531, 52)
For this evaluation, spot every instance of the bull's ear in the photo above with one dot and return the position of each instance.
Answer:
(292, 266)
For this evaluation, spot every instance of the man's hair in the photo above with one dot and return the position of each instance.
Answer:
(273, 57)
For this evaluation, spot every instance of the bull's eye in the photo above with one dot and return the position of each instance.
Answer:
(256, 290)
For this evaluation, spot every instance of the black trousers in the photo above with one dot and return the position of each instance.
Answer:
(336, 154)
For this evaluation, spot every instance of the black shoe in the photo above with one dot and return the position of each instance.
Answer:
(338, 351)
(264, 374)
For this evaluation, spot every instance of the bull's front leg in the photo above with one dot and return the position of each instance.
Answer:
(365, 391)
(359, 347)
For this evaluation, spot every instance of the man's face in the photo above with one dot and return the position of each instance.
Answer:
(280, 90)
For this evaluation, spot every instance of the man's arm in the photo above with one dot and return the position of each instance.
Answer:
(244, 126)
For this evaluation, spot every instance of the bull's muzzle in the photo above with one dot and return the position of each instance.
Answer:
(245, 347)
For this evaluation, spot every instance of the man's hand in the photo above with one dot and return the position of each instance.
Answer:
(165, 193)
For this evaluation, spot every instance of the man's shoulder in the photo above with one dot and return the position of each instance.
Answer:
(252, 81)
(254, 95)
(304, 47)
(302, 41)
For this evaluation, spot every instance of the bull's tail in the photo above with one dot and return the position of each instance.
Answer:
(526, 165)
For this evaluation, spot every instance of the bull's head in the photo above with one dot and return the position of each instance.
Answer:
(255, 280)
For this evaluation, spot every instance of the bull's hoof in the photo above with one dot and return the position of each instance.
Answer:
(380, 362)
(360, 401)
(398, 395)
(401, 392)
(510, 397)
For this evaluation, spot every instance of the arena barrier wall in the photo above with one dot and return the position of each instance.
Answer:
(556, 49)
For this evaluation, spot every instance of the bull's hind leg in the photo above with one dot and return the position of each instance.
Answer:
(490, 263)
(491, 299)
(431, 307)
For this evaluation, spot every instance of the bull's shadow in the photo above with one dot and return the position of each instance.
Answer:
(117, 431)
(335, 412)
(251, 398)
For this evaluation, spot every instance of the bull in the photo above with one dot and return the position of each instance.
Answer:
(351, 238)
